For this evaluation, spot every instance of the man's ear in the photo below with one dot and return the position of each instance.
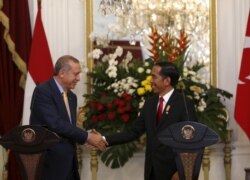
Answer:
(167, 81)
(61, 73)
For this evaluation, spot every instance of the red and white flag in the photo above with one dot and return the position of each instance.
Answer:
(242, 112)
(40, 66)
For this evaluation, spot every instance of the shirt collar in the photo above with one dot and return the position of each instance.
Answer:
(59, 86)
(167, 95)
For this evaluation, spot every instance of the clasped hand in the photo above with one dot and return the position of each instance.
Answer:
(95, 140)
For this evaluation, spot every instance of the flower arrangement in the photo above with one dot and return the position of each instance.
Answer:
(120, 85)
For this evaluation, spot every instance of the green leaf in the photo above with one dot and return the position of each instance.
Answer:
(117, 156)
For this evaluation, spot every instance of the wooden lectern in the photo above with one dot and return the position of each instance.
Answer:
(29, 144)
(188, 140)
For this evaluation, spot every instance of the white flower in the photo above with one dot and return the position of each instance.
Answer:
(126, 86)
(105, 58)
(130, 79)
(114, 85)
(148, 71)
(111, 71)
(200, 108)
(140, 70)
(192, 73)
(185, 74)
(185, 70)
(96, 53)
(194, 79)
(129, 56)
(135, 84)
(119, 51)
(113, 62)
(141, 104)
(196, 95)
(102, 40)
(112, 74)
(113, 56)
(146, 64)
(126, 60)
(202, 105)
(131, 91)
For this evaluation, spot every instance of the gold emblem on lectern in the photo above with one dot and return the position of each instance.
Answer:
(28, 135)
(187, 132)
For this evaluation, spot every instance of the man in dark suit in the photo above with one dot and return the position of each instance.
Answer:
(159, 159)
(58, 113)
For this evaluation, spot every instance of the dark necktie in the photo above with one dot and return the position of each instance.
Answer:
(159, 110)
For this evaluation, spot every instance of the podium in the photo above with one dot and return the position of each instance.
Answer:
(29, 144)
(188, 140)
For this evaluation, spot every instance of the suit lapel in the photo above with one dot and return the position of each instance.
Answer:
(153, 110)
(71, 107)
(59, 99)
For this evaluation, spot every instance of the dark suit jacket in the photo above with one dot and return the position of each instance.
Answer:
(48, 109)
(159, 159)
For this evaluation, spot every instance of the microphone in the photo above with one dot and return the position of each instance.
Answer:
(185, 102)
(33, 99)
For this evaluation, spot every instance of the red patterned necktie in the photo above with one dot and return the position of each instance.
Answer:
(159, 111)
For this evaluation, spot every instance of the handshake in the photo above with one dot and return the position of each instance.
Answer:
(96, 140)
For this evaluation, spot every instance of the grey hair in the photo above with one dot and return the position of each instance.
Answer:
(63, 63)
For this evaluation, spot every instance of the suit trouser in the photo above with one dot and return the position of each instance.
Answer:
(168, 172)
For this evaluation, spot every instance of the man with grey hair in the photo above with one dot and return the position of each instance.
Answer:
(54, 105)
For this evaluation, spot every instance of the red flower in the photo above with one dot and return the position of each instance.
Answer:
(120, 110)
(126, 96)
(116, 101)
(111, 115)
(101, 117)
(92, 104)
(109, 105)
(99, 106)
(119, 102)
(171, 57)
(128, 107)
(94, 118)
(124, 117)
(103, 95)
